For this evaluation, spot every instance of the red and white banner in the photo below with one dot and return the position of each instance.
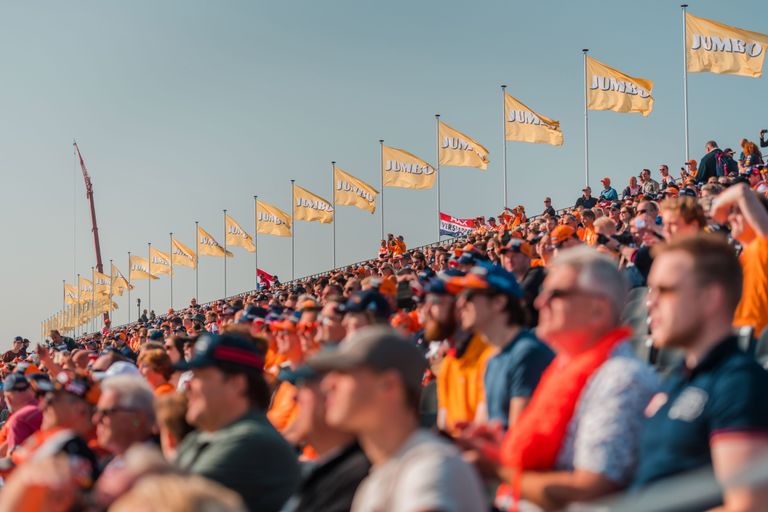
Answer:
(454, 226)
(265, 280)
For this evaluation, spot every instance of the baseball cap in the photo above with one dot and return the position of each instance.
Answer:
(486, 276)
(368, 300)
(379, 348)
(561, 233)
(78, 385)
(214, 349)
(118, 368)
(586, 188)
(156, 335)
(518, 245)
(606, 180)
(16, 382)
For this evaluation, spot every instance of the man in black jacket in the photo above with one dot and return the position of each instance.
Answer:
(763, 142)
(708, 163)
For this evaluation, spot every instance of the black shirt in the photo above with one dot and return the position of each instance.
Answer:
(330, 485)
(724, 393)
(586, 202)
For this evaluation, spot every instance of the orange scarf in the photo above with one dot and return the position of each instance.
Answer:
(535, 440)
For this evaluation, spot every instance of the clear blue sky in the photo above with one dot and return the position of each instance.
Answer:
(184, 108)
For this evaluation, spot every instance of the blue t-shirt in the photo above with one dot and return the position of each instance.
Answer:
(609, 194)
(724, 393)
(514, 373)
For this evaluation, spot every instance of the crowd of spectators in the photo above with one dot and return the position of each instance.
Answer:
(510, 370)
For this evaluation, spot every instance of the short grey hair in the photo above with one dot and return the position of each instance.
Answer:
(133, 393)
(597, 272)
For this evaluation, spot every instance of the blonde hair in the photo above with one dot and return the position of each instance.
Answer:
(176, 493)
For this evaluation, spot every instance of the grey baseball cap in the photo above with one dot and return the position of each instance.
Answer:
(379, 348)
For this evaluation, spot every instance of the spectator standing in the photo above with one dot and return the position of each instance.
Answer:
(666, 178)
(708, 166)
(17, 351)
(709, 412)
(586, 200)
(608, 193)
(548, 209)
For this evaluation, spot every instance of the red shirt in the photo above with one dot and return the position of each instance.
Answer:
(23, 423)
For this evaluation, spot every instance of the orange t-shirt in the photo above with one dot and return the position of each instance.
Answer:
(460, 388)
(284, 408)
(589, 236)
(753, 307)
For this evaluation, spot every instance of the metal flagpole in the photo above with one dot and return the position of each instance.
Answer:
(504, 138)
(93, 299)
(197, 262)
(381, 204)
(129, 286)
(685, 80)
(225, 253)
(149, 281)
(437, 119)
(63, 293)
(586, 121)
(256, 236)
(170, 253)
(293, 230)
(333, 192)
(110, 292)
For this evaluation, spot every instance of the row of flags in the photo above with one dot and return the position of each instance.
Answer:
(710, 47)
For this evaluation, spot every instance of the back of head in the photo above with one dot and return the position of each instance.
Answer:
(178, 493)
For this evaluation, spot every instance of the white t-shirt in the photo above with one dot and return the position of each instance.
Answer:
(427, 473)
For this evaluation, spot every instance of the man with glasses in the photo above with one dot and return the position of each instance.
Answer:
(579, 437)
(711, 413)
(548, 209)
(330, 330)
(666, 178)
(25, 418)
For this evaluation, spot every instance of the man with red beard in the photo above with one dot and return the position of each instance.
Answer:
(460, 390)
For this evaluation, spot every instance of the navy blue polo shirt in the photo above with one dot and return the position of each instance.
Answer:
(724, 393)
(514, 372)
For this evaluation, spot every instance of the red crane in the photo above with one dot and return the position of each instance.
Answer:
(95, 228)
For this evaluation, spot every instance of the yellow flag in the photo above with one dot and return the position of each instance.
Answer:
(271, 220)
(403, 169)
(208, 246)
(457, 149)
(70, 294)
(102, 283)
(119, 282)
(139, 269)
(524, 125)
(182, 255)
(718, 48)
(610, 89)
(311, 207)
(350, 191)
(86, 289)
(237, 236)
(159, 262)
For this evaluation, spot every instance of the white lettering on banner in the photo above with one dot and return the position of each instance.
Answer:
(234, 230)
(314, 204)
(395, 166)
(611, 84)
(348, 187)
(726, 45)
(456, 143)
(209, 241)
(159, 261)
(267, 217)
(525, 117)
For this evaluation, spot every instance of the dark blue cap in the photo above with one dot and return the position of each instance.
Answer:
(486, 276)
(215, 349)
(368, 300)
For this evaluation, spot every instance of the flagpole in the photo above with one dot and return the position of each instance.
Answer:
(197, 261)
(333, 192)
(63, 293)
(110, 293)
(129, 286)
(293, 230)
(93, 298)
(381, 161)
(685, 79)
(171, 255)
(504, 139)
(256, 236)
(586, 122)
(225, 253)
(437, 120)
(149, 281)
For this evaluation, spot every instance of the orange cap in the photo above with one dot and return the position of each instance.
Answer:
(561, 233)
